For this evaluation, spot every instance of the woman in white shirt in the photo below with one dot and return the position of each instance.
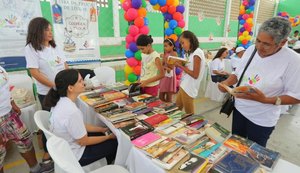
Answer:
(217, 66)
(44, 60)
(274, 76)
(87, 142)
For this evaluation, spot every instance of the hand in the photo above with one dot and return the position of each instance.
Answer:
(104, 129)
(221, 88)
(111, 136)
(178, 64)
(143, 83)
(255, 95)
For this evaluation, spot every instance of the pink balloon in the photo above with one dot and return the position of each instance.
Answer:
(129, 38)
(127, 45)
(126, 5)
(133, 30)
(245, 16)
(132, 14)
(132, 62)
(136, 37)
(181, 24)
(144, 30)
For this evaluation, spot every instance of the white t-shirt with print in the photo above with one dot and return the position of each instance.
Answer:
(275, 75)
(49, 61)
(5, 105)
(235, 61)
(188, 83)
(217, 64)
(66, 122)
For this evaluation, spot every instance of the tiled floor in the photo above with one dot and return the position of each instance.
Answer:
(285, 138)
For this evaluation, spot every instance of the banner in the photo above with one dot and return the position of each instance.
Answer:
(15, 16)
(75, 24)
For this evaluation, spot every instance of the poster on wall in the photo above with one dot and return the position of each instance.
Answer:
(75, 26)
(15, 16)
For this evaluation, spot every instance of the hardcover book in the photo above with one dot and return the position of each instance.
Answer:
(266, 157)
(234, 162)
(238, 143)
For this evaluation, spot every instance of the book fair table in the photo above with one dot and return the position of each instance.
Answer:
(137, 161)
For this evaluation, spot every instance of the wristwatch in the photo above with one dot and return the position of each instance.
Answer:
(278, 101)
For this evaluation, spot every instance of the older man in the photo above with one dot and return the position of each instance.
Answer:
(274, 75)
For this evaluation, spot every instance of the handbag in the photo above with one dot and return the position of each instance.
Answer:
(228, 104)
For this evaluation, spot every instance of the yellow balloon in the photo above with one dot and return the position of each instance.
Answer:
(127, 83)
(176, 2)
(128, 69)
(241, 37)
(248, 37)
(245, 33)
(156, 7)
(166, 25)
(249, 20)
(242, 7)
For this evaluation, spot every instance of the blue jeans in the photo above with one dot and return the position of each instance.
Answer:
(92, 153)
(243, 127)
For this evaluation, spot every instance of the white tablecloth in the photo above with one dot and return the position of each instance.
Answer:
(138, 162)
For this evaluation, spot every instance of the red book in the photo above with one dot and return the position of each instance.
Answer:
(154, 104)
(155, 119)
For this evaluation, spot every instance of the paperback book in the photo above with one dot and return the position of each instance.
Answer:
(238, 143)
(217, 132)
(137, 129)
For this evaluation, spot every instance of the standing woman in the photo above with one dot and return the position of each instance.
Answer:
(44, 60)
(217, 66)
(193, 71)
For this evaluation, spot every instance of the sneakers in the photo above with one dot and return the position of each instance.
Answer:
(47, 167)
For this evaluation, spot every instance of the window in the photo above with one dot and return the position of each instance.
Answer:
(102, 3)
(213, 9)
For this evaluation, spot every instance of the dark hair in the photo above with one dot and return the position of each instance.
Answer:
(194, 43)
(296, 31)
(35, 33)
(144, 40)
(63, 80)
(220, 52)
(170, 42)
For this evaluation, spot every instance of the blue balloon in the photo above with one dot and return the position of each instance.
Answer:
(168, 16)
(169, 31)
(136, 4)
(180, 9)
(133, 47)
(242, 22)
(146, 21)
(129, 53)
(173, 24)
(162, 2)
(251, 8)
(153, 2)
(178, 71)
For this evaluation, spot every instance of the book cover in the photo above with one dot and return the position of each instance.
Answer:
(155, 119)
(192, 119)
(166, 123)
(198, 124)
(135, 106)
(173, 59)
(187, 136)
(140, 98)
(107, 107)
(154, 103)
(159, 148)
(266, 157)
(217, 154)
(217, 132)
(170, 129)
(137, 129)
(146, 139)
(235, 162)
(143, 111)
(238, 143)
(194, 163)
(124, 123)
(236, 90)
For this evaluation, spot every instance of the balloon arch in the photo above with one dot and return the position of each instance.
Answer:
(136, 15)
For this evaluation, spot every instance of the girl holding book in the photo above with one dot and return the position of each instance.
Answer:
(152, 69)
(193, 71)
(168, 83)
(88, 142)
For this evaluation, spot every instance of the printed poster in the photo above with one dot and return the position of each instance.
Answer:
(75, 24)
(15, 16)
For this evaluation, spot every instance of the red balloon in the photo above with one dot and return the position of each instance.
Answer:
(251, 15)
(133, 30)
(126, 5)
(177, 16)
(132, 14)
(144, 30)
(245, 16)
(171, 9)
(139, 22)
(181, 24)
(240, 33)
(137, 70)
(244, 41)
(164, 9)
(129, 38)
(136, 37)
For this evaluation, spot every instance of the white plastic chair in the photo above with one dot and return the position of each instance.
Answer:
(105, 75)
(67, 161)
(24, 81)
(41, 118)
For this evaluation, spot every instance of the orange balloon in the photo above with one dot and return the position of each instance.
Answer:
(242, 11)
(170, 2)
(139, 22)
(142, 12)
(174, 37)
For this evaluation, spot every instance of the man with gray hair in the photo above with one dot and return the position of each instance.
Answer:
(273, 80)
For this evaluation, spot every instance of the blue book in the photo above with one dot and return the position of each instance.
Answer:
(234, 162)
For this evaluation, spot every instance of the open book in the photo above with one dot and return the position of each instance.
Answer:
(236, 90)
(173, 59)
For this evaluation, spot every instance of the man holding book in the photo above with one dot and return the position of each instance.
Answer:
(273, 77)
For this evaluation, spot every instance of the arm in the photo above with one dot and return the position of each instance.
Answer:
(159, 76)
(196, 69)
(15, 107)
(231, 80)
(220, 72)
(66, 65)
(41, 77)
(85, 140)
(92, 128)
